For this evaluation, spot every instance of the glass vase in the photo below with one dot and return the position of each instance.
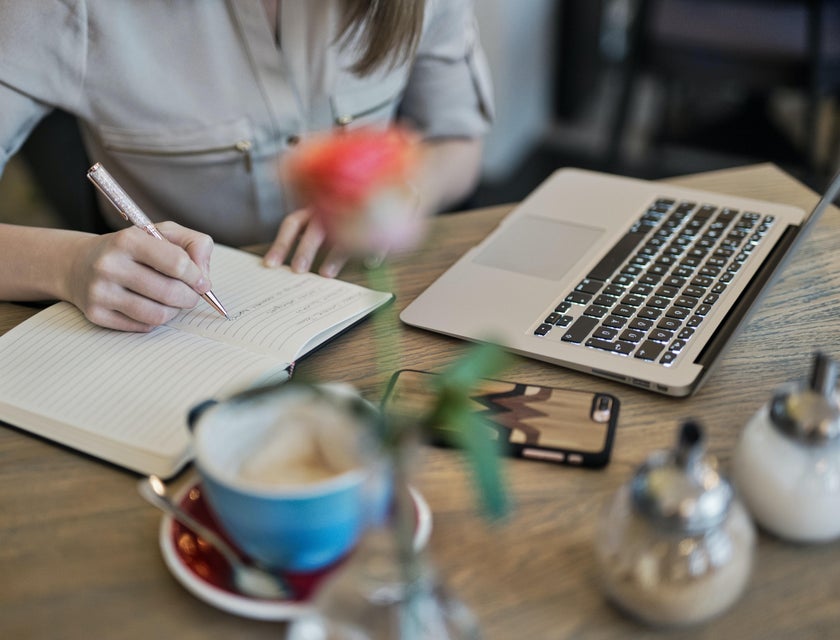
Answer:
(387, 590)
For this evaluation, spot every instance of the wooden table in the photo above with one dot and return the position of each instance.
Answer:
(79, 556)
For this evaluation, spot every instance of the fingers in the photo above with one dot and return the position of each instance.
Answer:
(333, 263)
(290, 229)
(299, 230)
(199, 248)
(131, 281)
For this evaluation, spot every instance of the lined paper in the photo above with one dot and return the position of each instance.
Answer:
(125, 396)
(275, 310)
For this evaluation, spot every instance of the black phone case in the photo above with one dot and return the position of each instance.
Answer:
(563, 426)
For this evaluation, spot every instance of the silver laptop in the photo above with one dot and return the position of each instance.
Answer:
(632, 280)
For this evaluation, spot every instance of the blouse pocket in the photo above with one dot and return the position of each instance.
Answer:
(206, 178)
(222, 143)
(365, 101)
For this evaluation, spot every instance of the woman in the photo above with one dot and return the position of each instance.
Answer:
(190, 104)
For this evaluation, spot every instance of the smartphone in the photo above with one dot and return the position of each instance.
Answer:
(564, 426)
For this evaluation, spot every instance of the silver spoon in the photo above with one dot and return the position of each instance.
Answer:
(248, 578)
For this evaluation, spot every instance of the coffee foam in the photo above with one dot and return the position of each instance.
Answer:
(308, 442)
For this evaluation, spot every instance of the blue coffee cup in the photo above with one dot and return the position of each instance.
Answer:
(294, 527)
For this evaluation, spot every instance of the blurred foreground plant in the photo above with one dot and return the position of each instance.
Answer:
(358, 185)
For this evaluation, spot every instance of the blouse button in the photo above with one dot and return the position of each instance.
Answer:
(292, 140)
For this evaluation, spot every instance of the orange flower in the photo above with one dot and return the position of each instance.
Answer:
(357, 184)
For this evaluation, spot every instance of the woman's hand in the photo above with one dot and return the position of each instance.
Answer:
(301, 232)
(130, 281)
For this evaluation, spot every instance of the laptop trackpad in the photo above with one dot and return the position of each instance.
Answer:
(538, 247)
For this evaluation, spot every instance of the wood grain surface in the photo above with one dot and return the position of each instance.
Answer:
(78, 547)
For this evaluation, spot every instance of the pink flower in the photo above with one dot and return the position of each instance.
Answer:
(358, 184)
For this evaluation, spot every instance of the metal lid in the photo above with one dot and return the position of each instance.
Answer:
(810, 412)
(681, 490)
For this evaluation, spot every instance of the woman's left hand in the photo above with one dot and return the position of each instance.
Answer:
(301, 232)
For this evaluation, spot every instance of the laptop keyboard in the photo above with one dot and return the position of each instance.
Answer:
(647, 296)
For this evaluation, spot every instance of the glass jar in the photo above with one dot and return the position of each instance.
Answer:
(787, 462)
(674, 545)
(382, 595)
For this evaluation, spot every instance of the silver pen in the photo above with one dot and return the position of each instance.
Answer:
(129, 210)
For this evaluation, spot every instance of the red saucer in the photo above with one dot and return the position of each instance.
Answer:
(206, 574)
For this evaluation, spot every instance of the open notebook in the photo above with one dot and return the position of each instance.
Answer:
(637, 281)
(124, 397)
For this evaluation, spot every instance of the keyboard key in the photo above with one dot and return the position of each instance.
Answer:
(616, 322)
(650, 313)
(631, 335)
(604, 300)
(623, 311)
(578, 297)
(669, 324)
(685, 333)
(605, 333)
(617, 255)
(596, 311)
(641, 289)
(624, 347)
(641, 324)
(666, 291)
(614, 290)
(649, 350)
(598, 343)
(580, 329)
(691, 290)
(564, 321)
(660, 335)
(589, 286)
(689, 302)
(632, 301)
(667, 358)
(542, 329)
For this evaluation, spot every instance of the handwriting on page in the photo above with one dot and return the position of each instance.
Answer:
(272, 310)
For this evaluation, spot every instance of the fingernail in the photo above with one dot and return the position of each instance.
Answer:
(300, 265)
(329, 270)
(271, 262)
(203, 285)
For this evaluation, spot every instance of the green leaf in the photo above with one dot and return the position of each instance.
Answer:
(480, 361)
(454, 416)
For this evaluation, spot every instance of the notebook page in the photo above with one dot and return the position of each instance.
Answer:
(275, 310)
(83, 385)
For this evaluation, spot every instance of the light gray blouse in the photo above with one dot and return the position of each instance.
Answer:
(189, 104)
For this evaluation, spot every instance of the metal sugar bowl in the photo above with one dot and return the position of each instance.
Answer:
(787, 462)
(675, 545)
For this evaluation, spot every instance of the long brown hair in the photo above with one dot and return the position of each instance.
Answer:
(389, 30)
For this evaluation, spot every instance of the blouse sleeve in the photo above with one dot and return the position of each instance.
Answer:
(41, 65)
(449, 91)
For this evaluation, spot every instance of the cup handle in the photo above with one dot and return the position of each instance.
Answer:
(196, 412)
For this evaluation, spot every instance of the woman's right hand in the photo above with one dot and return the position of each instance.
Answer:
(130, 281)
